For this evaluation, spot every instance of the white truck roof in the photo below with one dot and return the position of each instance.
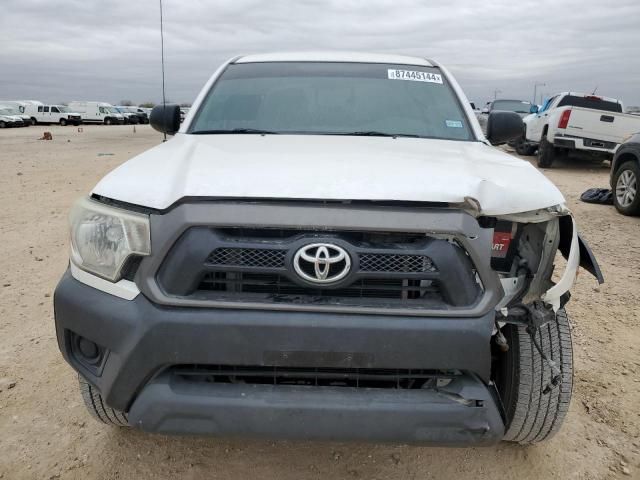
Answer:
(329, 56)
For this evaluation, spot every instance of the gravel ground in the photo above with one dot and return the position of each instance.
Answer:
(45, 432)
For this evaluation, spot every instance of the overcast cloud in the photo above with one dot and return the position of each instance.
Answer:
(110, 50)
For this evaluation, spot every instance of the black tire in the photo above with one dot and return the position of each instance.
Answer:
(546, 153)
(107, 121)
(63, 122)
(76, 124)
(3, 124)
(630, 169)
(523, 148)
(522, 376)
(98, 409)
(34, 121)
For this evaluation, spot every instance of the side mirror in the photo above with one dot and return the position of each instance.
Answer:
(165, 118)
(504, 126)
(533, 109)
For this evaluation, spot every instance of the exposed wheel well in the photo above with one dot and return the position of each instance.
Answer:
(624, 158)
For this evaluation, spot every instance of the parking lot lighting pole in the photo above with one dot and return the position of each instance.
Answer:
(535, 90)
(495, 93)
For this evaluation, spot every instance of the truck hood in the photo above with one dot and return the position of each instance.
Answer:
(329, 168)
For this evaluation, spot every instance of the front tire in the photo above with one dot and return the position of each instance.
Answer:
(626, 194)
(34, 121)
(63, 122)
(98, 409)
(3, 124)
(522, 375)
(107, 121)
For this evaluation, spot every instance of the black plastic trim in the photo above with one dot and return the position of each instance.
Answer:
(461, 414)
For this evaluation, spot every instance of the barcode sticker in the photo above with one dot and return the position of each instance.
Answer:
(414, 76)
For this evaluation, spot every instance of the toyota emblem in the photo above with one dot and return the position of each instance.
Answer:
(322, 263)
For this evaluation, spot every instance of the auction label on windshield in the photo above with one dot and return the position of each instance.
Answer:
(414, 76)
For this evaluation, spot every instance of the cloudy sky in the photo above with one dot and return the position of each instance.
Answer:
(62, 50)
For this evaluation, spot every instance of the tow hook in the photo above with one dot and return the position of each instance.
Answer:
(533, 317)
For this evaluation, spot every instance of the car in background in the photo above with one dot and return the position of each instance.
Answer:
(625, 176)
(8, 120)
(13, 111)
(141, 115)
(129, 117)
(97, 112)
(578, 123)
(521, 107)
(60, 114)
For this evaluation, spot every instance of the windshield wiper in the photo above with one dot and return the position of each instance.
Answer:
(234, 131)
(373, 133)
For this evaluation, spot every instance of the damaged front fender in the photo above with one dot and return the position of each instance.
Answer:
(578, 254)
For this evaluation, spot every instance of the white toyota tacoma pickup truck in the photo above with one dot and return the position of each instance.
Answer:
(576, 122)
(328, 248)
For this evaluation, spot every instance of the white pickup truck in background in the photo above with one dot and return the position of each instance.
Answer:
(576, 122)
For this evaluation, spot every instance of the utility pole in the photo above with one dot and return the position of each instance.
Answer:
(535, 90)
(495, 93)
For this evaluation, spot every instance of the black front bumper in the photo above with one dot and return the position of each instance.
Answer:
(143, 340)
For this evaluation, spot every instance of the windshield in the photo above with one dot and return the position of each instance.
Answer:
(9, 111)
(511, 106)
(333, 98)
(63, 109)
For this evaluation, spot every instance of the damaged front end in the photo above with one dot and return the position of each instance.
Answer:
(524, 252)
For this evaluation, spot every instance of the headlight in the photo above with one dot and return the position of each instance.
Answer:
(102, 237)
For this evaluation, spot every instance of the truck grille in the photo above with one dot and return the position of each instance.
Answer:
(386, 270)
(273, 258)
(247, 257)
(396, 263)
(279, 285)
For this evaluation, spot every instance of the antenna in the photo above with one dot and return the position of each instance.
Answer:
(164, 98)
(594, 91)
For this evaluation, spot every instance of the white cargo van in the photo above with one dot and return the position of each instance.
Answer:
(97, 112)
(60, 114)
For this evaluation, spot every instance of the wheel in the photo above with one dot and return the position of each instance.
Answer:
(98, 409)
(63, 122)
(34, 121)
(76, 124)
(626, 197)
(522, 377)
(523, 148)
(546, 153)
(107, 121)
(3, 124)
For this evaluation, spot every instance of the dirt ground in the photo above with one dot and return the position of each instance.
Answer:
(45, 432)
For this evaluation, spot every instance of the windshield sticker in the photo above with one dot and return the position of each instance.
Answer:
(454, 123)
(395, 74)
